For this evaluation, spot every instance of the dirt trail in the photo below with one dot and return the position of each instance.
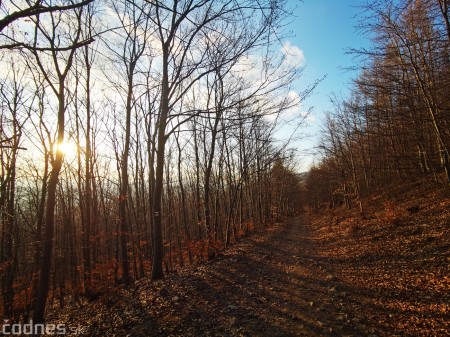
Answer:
(274, 288)
(264, 288)
(278, 286)
(281, 282)
(267, 285)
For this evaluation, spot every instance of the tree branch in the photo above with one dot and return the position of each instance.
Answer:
(33, 48)
(36, 10)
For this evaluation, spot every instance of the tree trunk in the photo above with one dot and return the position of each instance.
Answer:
(158, 253)
(48, 238)
(87, 185)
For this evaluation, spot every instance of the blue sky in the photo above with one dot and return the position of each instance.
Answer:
(323, 30)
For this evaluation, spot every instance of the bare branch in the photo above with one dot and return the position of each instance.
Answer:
(36, 10)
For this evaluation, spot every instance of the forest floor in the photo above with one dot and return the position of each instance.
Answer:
(384, 272)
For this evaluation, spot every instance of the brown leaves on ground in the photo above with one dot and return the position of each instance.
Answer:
(381, 273)
(394, 259)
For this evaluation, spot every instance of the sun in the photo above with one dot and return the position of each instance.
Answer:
(68, 148)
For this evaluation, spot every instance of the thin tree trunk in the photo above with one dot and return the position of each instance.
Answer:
(48, 238)
(158, 253)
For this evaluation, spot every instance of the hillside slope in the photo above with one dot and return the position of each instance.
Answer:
(393, 259)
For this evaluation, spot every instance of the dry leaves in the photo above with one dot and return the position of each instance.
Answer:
(340, 274)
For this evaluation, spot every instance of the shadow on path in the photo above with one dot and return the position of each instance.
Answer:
(283, 284)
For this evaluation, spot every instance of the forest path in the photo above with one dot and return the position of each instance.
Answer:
(342, 273)
(273, 287)
(271, 284)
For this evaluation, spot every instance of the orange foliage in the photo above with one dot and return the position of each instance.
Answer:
(245, 228)
(202, 249)
(352, 223)
(393, 214)
(103, 275)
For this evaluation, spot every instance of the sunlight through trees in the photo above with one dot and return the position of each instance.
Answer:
(137, 137)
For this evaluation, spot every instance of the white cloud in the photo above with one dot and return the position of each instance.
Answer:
(296, 108)
(293, 55)
(294, 98)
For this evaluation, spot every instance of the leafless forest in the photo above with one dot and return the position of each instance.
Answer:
(138, 137)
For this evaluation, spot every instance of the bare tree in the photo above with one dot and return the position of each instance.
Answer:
(15, 113)
(182, 28)
(134, 23)
(62, 63)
